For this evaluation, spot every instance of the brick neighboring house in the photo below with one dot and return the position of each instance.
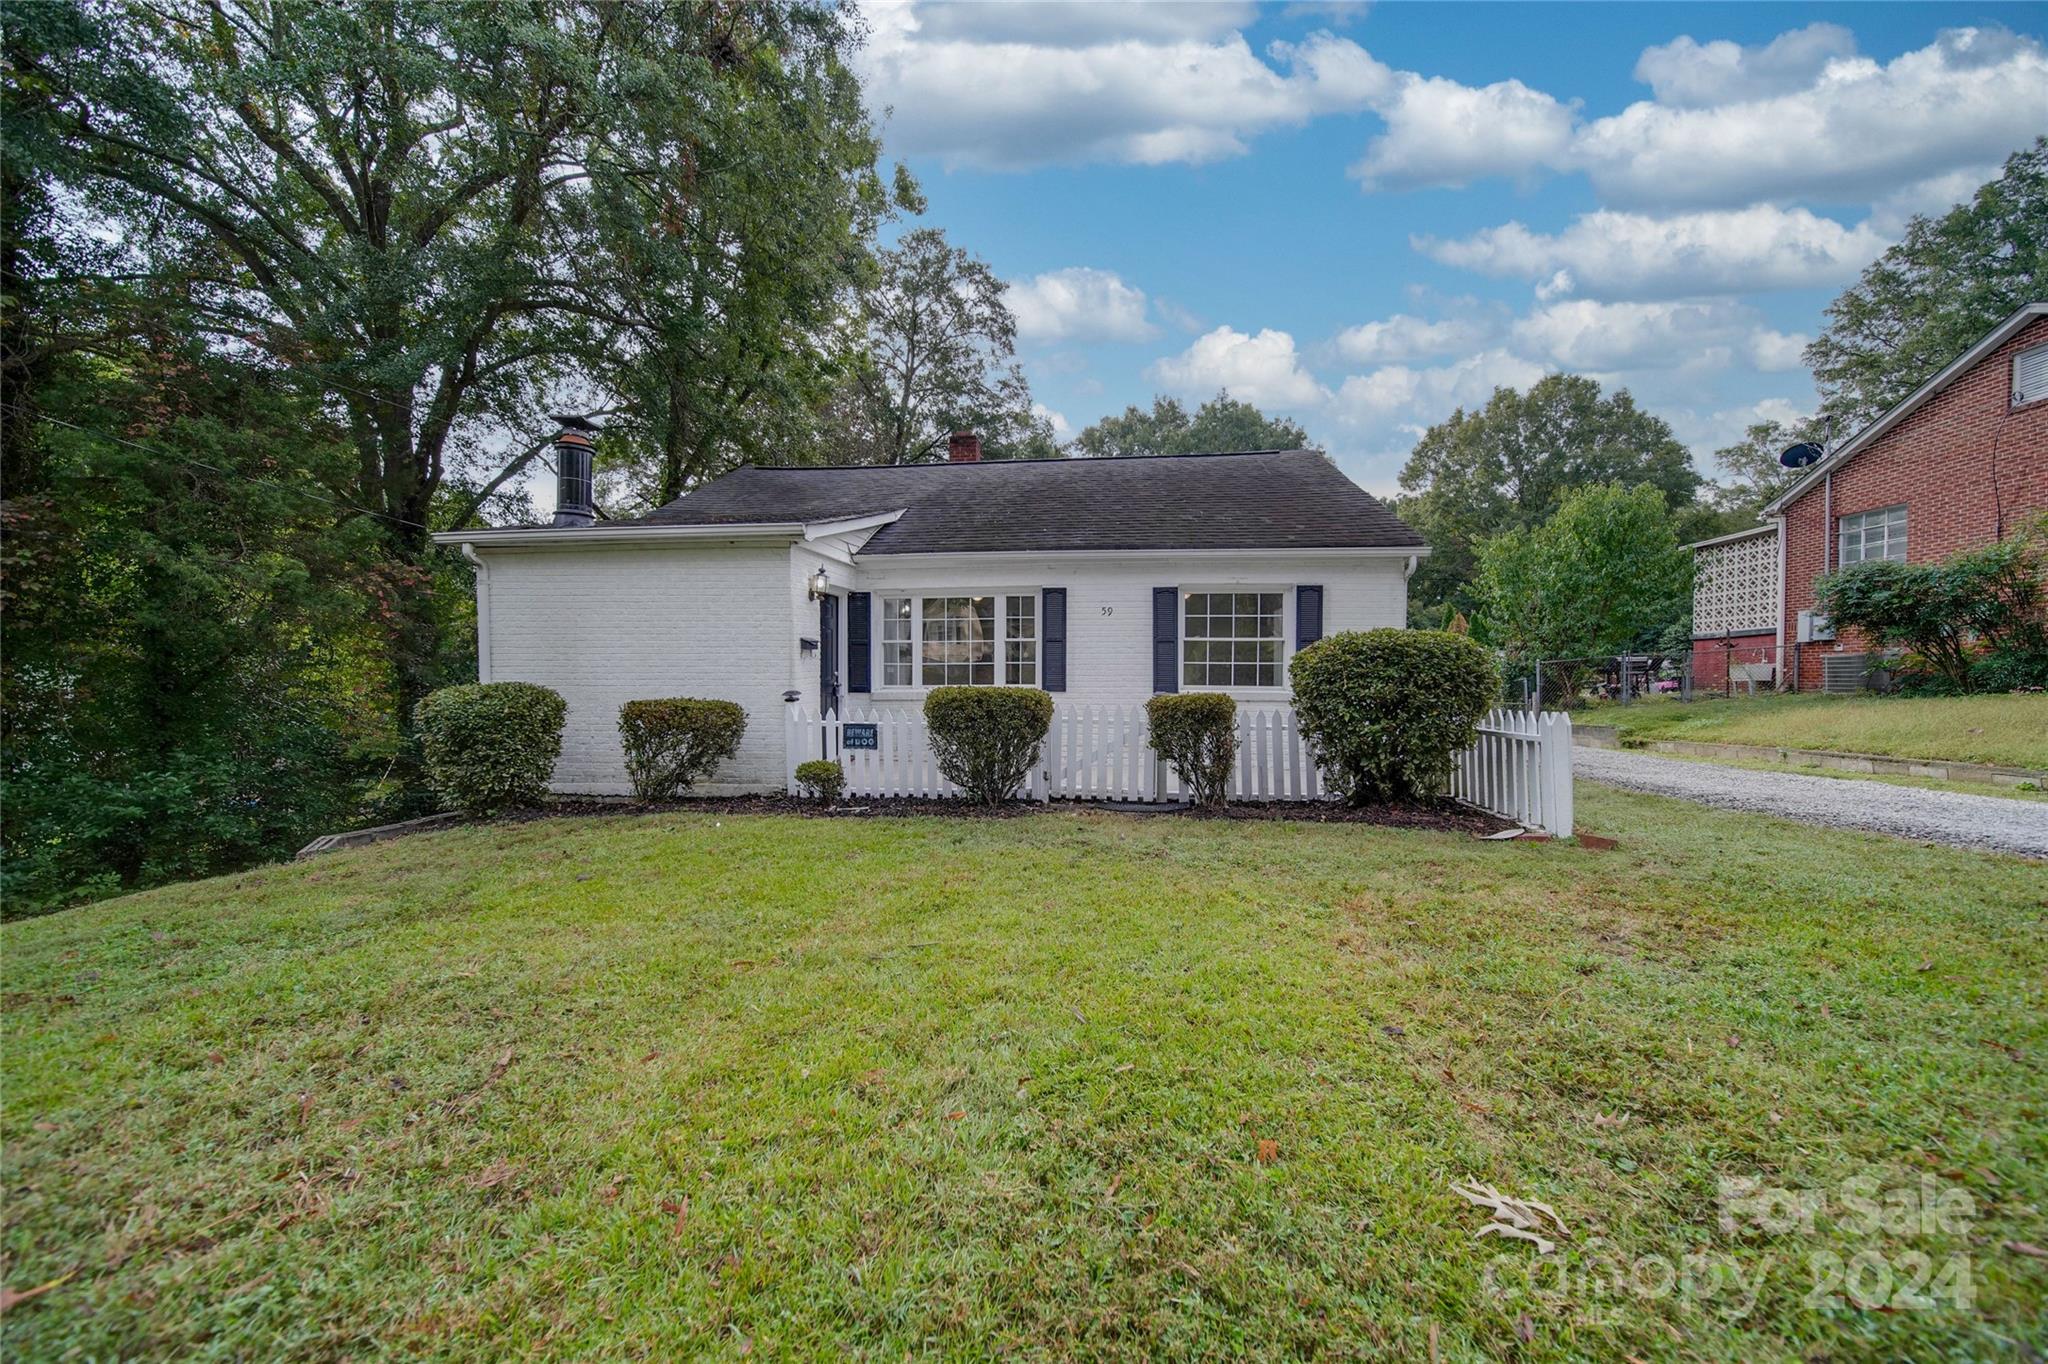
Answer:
(1960, 463)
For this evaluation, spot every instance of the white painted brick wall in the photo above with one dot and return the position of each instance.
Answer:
(607, 626)
(1109, 656)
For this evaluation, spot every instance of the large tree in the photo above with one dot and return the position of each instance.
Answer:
(397, 200)
(1604, 575)
(1928, 299)
(1753, 475)
(1510, 464)
(1222, 423)
(936, 356)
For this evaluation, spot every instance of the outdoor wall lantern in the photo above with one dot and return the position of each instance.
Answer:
(819, 584)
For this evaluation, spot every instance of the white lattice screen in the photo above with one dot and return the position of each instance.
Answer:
(1735, 585)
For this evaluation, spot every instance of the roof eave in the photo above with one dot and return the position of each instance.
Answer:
(584, 537)
(1911, 403)
(1311, 551)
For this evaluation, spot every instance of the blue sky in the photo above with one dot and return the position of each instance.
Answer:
(1365, 216)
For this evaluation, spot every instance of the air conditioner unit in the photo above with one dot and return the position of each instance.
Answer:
(1815, 628)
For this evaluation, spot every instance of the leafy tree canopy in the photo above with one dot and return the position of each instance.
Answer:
(403, 204)
(1222, 423)
(1928, 299)
(937, 358)
(1603, 575)
(1509, 466)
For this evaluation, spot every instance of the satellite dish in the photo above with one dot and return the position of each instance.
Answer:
(1801, 455)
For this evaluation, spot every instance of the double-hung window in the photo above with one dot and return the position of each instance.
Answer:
(1231, 639)
(963, 640)
(1879, 534)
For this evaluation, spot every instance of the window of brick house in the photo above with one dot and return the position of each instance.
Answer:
(1879, 534)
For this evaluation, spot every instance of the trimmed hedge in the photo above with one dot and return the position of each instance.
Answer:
(672, 742)
(1196, 734)
(821, 779)
(490, 746)
(986, 738)
(1386, 712)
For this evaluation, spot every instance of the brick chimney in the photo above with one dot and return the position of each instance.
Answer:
(963, 447)
(573, 500)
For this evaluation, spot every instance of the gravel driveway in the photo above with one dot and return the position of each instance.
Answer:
(1991, 823)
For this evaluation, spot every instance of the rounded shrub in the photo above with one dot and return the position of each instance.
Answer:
(821, 779)
(490, 746)
(1196, 735)
(673, 742)
(986, 738)
(1386, 712)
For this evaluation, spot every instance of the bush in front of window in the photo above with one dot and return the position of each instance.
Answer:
(821, 779)
(1196, 734)
(986, 738)
(490, 747)
(671, 743)
(1972, 622)
(1386, 712)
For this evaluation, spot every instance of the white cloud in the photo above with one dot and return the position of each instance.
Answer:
(1062, 429)
(1385, 397)
(1262, 369)
(977, 85)
(1776, 351)
(1607, 254)
(1855, 132)
(1442, 133)
(1079, 304)
(1080, 23)
(1405, 337)
(1931, 197)
(1692, 74)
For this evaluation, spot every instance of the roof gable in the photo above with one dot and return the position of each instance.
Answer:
(1910, 404)
(1265, 499)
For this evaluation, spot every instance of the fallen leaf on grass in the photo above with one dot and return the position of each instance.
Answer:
(1610, 1120)
(1269, 1150)
(305, 1107)
(681, 1208)
(610, 1192)
(1394, 1030)
(215, 1058)
(649, 1057)
(2027, 1248)
(492, 1175)
(48, 1127)
(1518, 1218)
(1925, 966)
(1525, 1329)
(956, 1115)
(2008, 1048)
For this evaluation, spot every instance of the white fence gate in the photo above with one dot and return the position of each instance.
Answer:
(1520, 769)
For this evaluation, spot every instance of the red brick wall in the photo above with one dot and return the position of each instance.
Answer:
(1711, 657)
(1938, 462)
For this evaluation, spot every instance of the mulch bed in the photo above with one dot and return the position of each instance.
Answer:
(1445, 818)
(851, 808)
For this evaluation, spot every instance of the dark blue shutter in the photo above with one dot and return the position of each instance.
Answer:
(1308, 616)
(1052, 644)
(1165, 639)
(859, 627)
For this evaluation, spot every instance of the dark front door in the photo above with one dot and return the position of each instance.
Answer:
(828, 655)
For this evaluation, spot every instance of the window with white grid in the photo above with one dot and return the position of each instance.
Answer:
(1231, 639)
(1879, 534)
(964, 640)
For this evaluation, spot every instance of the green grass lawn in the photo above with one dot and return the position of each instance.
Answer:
(2010, 730)
(660, 1086)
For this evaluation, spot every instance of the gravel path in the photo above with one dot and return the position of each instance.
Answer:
(1990, 823)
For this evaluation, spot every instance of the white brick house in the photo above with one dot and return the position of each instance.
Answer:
(1102, 581)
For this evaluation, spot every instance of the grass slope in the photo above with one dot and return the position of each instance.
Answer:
(676, 1085)
(2010, 730)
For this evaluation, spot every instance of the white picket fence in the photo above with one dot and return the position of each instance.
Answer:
(1521, 768)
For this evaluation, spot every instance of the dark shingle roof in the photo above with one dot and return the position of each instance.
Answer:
(1262, 499)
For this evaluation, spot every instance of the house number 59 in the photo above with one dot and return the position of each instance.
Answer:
(1109, 610)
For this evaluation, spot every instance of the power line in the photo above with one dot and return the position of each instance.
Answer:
(160, 452)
